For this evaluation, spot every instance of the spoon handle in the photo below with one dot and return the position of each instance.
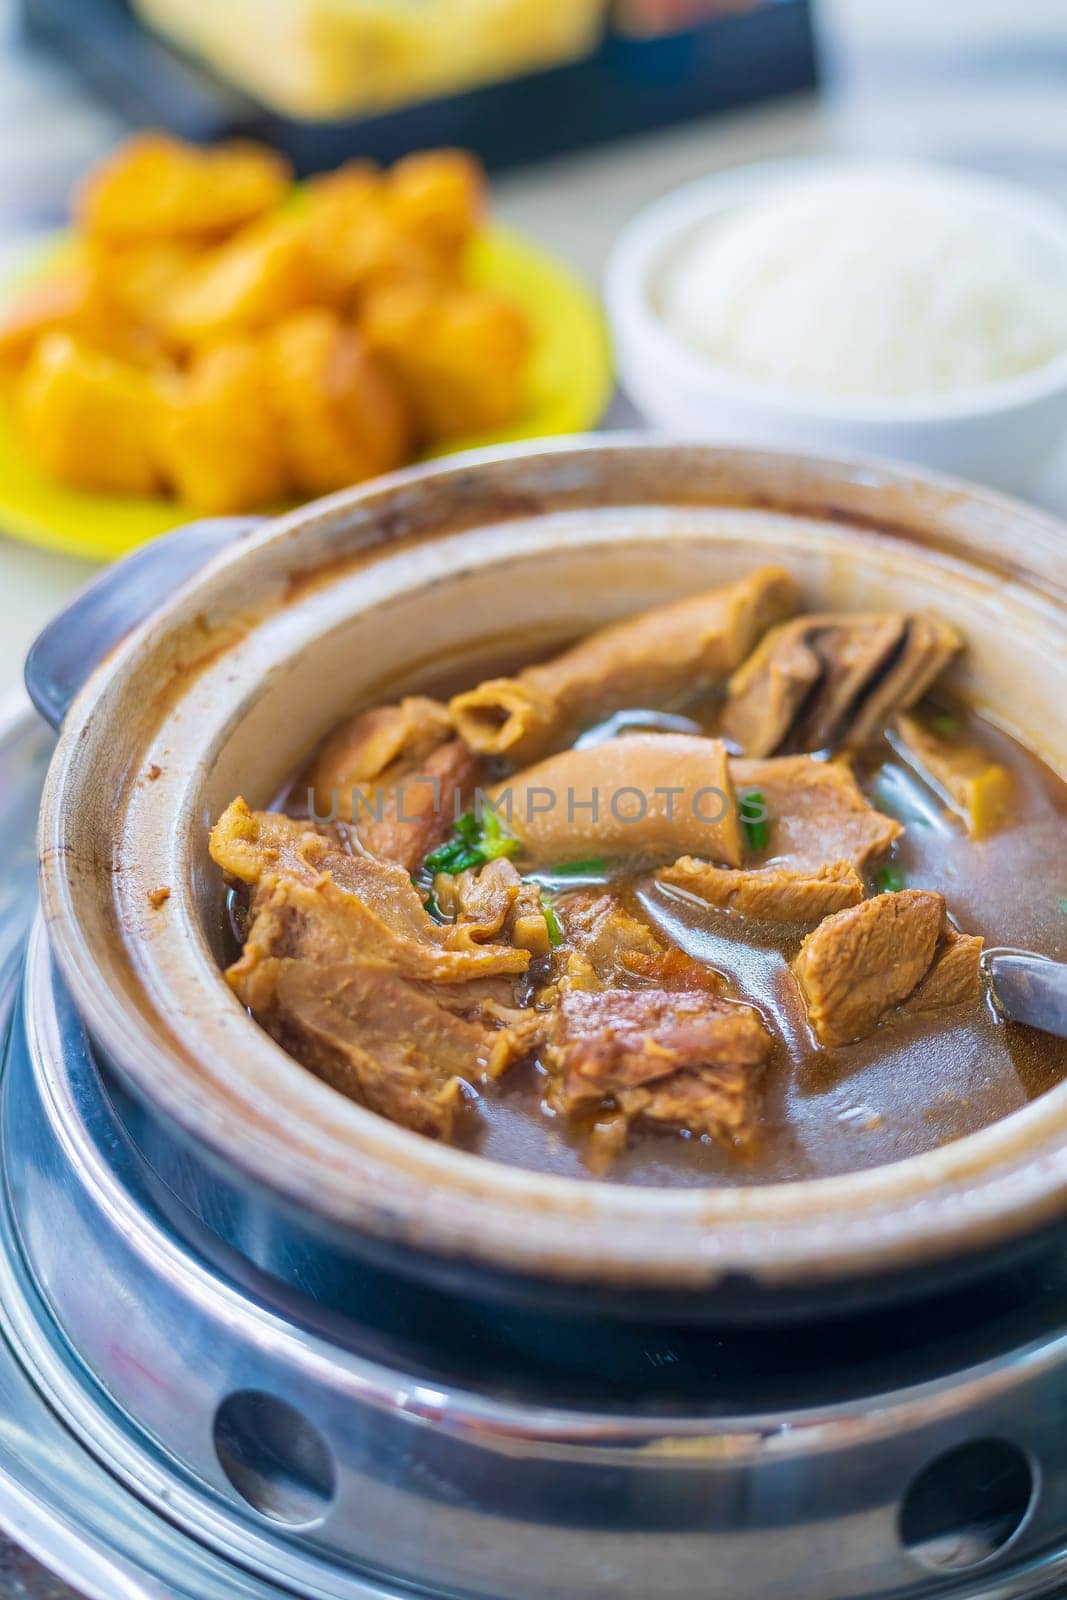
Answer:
(1029, 988)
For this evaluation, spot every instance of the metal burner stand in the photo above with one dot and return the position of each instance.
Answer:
(168, 1433)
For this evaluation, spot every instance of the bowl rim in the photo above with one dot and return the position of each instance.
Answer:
(456, 1204)
(640, 249)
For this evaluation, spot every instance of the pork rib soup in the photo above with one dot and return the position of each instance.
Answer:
(700, 900)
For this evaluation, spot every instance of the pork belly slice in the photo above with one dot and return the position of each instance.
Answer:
(833, 679)
(685, 1060)
(817, 814)
(655, 659)
(398, 774)
(643, 794)
(768, 894)
(894, 949)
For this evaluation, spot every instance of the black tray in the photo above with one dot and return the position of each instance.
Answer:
(627, 86)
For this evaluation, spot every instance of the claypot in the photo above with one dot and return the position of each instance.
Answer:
(236, 675)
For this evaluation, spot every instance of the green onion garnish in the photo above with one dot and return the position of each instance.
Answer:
(890, 880)
(474, 841)
(552, 923)
(452, 857)
(495, 842)
(945, 722)
(468, 828)
(1061, 901)
(594, 867)
(756, 830)
(438, 861)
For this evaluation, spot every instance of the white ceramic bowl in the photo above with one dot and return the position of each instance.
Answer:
(999, 433)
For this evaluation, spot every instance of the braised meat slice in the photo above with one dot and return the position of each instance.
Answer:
(493, 902)
(822, 681)
(401, 1045)
(374, 743)
(765, 695)
(398, 774)
(976, 788)
(929, 646)
(652, 660)
(637, 1030)
(258, 847)
(343, 966)
(955, 975)
(606, 945)
(414, 812)
(768, 894)
(859, 963)
(817, 814)
(852, 658)
(684, 1060)
(251, 846)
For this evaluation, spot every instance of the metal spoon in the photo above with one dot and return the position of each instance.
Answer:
(1029, 988)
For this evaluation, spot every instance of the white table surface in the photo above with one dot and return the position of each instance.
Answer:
(980, 82)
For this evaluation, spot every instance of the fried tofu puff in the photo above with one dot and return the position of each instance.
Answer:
(155, 188)
(458, 354)
(342, 416)
(217, 437)
(357, 243)
(86, 419)
(257, 277)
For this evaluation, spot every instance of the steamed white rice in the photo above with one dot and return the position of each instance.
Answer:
(871, 287)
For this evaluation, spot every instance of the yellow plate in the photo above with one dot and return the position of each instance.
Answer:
(568, 389)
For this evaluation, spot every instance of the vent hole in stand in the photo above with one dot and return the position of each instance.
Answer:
(966, 1505)
(277, 1461)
